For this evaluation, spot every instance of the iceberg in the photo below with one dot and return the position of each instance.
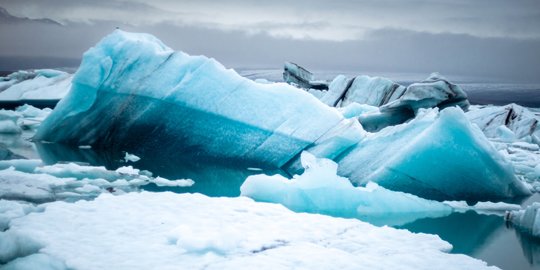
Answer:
(437, 155)
(320, 190)
(508, 123)
(528, 219)
(156, 98)
(166, 103)
(40, 87)
(191, 231)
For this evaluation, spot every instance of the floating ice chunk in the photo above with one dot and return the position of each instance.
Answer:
(320, 190)
(527, 219)
(162, 182)
(9, 127)
(129, 170)
(131, 157)
(518, 119)
(192, 104)
(435, 156)
(38, 183)
(435, 91)
(192, 231)
(35, 85)
(23, 165)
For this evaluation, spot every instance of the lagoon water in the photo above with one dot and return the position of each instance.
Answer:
(483, 236)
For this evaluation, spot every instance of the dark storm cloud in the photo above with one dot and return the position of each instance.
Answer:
(498, 39)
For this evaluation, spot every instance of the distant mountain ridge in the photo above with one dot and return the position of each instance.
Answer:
(6, 17)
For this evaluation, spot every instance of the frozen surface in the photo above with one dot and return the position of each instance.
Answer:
(160, 99)
(527, 219)
(191, 231)
(320, 190)
(35, 85)
(436, 156)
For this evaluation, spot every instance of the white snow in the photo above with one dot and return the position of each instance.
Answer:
(191, 231)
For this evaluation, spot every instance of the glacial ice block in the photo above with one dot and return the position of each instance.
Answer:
(497, 121)
(436, 156)
(320, 190)
(133, 92)
(40, 84)
(527, 219)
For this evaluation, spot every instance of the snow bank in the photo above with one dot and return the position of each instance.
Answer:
(320, 190)
(436, 156)
(192, 104)
(191, 231)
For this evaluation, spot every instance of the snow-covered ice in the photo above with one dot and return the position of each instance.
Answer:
(131, 157)
(191, 231)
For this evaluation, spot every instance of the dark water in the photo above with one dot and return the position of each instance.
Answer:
(486, 237)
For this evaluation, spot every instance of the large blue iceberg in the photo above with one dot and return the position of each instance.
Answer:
(133, 93)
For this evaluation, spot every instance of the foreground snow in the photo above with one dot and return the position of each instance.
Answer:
(191, 231)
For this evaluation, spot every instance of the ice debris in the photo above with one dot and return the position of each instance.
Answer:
(39, 84)
(131, 157)
(30, 180)
(192, 231)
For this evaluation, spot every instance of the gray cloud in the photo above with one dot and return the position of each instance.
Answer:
(389, 48)
(343, 19)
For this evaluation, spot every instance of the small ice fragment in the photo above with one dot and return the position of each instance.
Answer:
(131, 157)
(162, 182)
(127, 170)
(85, 146)
(253, 169)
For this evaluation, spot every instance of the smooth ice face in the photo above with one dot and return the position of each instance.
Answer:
(191, 231)
(436, 156)
(320, 190)
(169, 102)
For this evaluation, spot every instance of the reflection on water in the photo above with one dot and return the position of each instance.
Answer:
(211, 178)
(485, 237)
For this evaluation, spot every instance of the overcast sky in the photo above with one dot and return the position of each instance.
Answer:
(491, 38)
